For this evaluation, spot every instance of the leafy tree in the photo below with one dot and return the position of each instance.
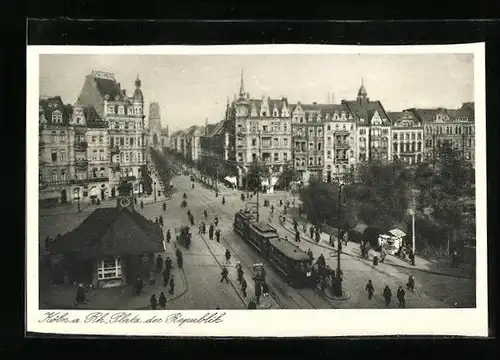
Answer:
(320, 202)
(254, 175)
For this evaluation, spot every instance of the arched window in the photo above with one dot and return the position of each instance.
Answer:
(54, 137)
(62, 136)
(54, 175)
(57, 117)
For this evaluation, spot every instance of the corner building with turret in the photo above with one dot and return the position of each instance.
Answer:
(127, 132)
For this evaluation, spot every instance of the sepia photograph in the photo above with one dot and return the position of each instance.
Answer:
(258, 181)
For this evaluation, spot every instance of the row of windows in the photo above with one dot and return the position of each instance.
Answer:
(265, 142)
(450, 130)
(276, 157)
(312, 161)
(407, 147)
(125, 141)
(454, 144)
(128, 156)
(120, 110)
(319, 116)
(125, 125)
(62, 174)
(407, 135)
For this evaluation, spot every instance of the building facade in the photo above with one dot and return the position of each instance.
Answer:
(340, 142)
(125, 118)
(454, 127)
(407, 137)
(73, 159)
(373, 128)
(193, 144)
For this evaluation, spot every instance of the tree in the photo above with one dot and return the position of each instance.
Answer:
(288, 175)
(320, 202)
(254, 175)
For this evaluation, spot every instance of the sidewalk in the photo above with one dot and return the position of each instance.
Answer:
(352, 249)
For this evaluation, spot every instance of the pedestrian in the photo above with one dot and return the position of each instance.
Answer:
(387, 295)
(164, 206)
(375, 261)
(205, 213)
(159, 264)
(252, 305)
(217, 235)
(80, 294)
(156, 220)
(138, 285)
(297, 236)
(160, 218)
(153, 302)
(200, 228)
(223, 200)
(244, 286)
(331, 241)
(172, 286)
(317, 236)
(203, 227)
(454, 258)
(169, 236)
(227, 255)
(239, 272)
(272, 209)
(311, 232)
(304, 228)
(191, 219)
(168, 263)
(369, 287)
(216, 221)
(411, 283)
(382, 255)
(224, 274)
(258, 292)
(211, 232)
(401, 297)
(142, 204)
(162, 301)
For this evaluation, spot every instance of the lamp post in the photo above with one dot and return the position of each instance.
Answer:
(76, 196)
(154, 190)
(338, 282)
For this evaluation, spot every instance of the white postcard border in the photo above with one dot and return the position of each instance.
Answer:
(273, 323)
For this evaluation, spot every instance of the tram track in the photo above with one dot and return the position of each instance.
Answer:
(281, 296)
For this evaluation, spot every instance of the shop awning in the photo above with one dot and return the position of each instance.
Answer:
(231, 179)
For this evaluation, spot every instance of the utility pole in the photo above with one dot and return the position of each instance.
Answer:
(217, 182)
(338, 282)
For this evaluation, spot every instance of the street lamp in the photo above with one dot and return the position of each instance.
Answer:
(154, 190)
(337, 289)
(76, 196)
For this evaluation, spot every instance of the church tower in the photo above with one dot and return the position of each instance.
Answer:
(362, 94)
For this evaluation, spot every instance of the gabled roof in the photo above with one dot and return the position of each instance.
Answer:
(192, 130)
(177, 133)
(365, 110)
(92, 117)
(111, 88)
(209, 129)
(219, 129)
(112, 232)
(54, 103)
(397, 117)
(257, 103)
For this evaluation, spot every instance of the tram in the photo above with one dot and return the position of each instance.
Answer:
(287, 258)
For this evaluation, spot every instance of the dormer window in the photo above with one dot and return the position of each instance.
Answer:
(57, 117)
(121, 110)
(130, 111)
(275, 112)
(111, 109)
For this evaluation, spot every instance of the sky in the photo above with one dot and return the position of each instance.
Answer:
(192, 88)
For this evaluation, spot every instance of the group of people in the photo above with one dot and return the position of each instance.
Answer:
(387, 292)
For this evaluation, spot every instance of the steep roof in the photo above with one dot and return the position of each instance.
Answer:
(425, 115)
(257, 103)
(112, 232)
(177, 133)
(54, 103)
(192, 130)
(111, 88)
(366, 109)
(219, 128)
(93, 118)
(398, 118)
(209, 129)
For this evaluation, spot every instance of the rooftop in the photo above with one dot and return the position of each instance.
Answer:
(288, 249)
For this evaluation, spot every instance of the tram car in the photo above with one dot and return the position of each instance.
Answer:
(287, 258)
(184, 237)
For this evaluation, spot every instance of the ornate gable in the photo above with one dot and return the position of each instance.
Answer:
(376, 119)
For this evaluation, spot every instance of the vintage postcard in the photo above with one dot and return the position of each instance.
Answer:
(333, 190)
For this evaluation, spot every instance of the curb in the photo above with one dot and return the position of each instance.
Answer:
(392, 264)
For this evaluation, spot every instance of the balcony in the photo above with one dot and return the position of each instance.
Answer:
(81, 145)
(341, 145)
(114, 150)
(45, 184)
(82, 163)
(340, 132)
(97, 179)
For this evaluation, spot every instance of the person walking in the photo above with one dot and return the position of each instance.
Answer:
(153, 302)
(401, 297)
(211, 232)
(172, 286)
(223, 200)
(164, 207)
(252, 305)
(387, 296)
(227, 255)
(224, 274)
(166, 276)
(205, 213)
(311, 232)
(159, 264)
(217, 235)
(297, 236)
(411, 283)
(369, 287)
(162, 301)
(169, 235)
(138, 285)
(244, 286)
(239, 272)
